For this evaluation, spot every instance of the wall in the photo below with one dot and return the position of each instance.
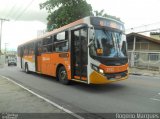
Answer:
(155, 36)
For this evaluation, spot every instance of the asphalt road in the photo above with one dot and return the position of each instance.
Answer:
(137, 94)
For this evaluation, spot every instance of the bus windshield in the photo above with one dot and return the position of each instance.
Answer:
(107, 43)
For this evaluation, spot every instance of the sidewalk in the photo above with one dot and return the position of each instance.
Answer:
(136, 71)
(14, 99)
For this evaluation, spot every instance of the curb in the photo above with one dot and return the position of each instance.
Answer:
(136, 74)
(144, 74)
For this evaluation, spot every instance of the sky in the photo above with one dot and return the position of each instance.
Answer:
(26, 18)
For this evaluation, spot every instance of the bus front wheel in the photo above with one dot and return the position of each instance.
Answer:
(62, 75)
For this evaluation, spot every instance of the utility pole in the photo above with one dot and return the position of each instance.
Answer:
(1, 20)
(6, 52)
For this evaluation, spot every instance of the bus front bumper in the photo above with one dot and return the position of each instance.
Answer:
(97, 78)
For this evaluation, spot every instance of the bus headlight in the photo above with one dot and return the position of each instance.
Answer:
(94, 67)
(101, 71)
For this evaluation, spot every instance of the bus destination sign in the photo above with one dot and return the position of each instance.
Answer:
(106, 23)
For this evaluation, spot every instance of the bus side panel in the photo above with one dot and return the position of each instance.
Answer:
(53, 65)
(19, 62)
(30, 60)
(50, 62)
(39, 63)
(23, 63)
(45, 63)
(64, 59)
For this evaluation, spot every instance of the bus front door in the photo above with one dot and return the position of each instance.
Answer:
(79, 54)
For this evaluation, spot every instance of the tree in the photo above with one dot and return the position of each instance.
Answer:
(62, 12)
(102, 14)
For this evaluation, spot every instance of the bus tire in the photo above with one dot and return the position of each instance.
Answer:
(62, 75)
(26, 68)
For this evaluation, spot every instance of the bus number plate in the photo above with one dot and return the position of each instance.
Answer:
(118, 76)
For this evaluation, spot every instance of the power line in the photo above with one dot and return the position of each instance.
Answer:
(24, 10)
(144, 25)
(10, 11)
(148, 30)
(145, 28)
(20, 6)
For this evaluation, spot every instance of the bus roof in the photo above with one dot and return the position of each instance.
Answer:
(78, 22)
(85, 20)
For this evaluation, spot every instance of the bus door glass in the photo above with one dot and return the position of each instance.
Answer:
(79, 53)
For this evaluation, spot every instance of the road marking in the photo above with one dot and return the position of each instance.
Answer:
(45, 99)
(155, 99)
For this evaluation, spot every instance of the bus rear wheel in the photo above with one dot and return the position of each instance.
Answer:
(26, 68)
(62, 75)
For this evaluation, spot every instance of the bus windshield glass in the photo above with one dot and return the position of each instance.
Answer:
(109, 43)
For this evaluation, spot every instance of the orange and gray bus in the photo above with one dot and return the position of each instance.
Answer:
(91, 50)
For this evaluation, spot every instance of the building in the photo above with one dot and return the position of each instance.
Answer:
(155, 35)
(143, 51)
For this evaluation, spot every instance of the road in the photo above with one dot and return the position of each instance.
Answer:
(137, 94)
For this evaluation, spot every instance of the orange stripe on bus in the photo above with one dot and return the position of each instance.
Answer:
(114, 69)
(82, 78)
(48, 63)
(29, 58)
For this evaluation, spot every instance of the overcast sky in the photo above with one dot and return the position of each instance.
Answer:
(26, 17)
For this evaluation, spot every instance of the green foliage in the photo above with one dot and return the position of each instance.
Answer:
(62, 12)
(102, 14)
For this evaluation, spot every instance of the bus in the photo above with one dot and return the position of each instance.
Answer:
(91, 50)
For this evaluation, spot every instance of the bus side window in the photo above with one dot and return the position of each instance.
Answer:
(60, 36)
(47, 44)
(26, 50)
(49, 48)
(61, 44)
(45, 49)
(31, 49)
